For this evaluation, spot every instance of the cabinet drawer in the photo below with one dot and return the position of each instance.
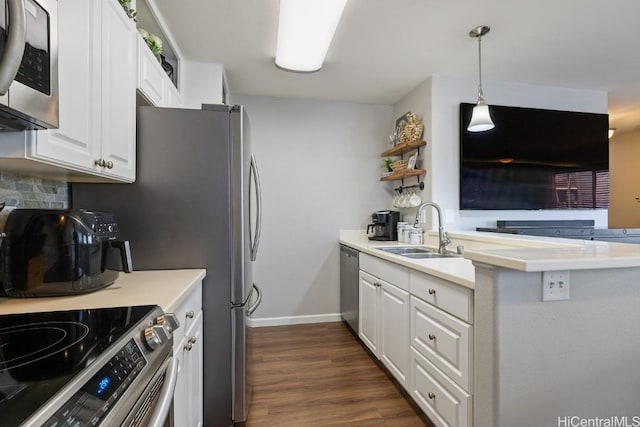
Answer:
(385, 270)
(452, 298)
(446, 404)
(187, 311)
(443, 339)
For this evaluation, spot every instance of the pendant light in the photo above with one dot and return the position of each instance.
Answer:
(480, 119)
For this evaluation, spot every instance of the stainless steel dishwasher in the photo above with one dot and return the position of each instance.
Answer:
(349, 286)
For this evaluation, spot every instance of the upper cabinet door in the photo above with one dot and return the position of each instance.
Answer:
(77, 141)
(119, 91)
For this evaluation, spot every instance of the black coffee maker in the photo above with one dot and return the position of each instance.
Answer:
(384, 226)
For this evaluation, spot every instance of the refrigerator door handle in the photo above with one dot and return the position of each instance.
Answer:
(256, 304)
(254, 238)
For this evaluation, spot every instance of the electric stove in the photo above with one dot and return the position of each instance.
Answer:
(78, 367)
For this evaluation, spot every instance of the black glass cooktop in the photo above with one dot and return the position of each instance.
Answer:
(41, 352)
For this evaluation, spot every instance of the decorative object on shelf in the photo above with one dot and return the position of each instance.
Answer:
(166, 66)
(131, 13)
(153, 41)
(481, 119)
(387, 164)
(411, 163)
(408, 128)
(399, 165)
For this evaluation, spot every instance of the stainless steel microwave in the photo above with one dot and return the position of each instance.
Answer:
(28, 64)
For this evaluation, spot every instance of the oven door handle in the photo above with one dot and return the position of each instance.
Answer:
(171, 367)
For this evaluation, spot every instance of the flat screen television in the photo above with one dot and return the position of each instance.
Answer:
(534, 159)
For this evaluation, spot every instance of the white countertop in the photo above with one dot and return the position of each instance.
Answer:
(515, 252)
(453, 269)
(166, 288)
(534, 253)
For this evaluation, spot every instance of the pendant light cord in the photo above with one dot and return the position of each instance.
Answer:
(480, 93)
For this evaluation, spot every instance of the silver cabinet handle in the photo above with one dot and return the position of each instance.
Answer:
(193, 339)
(188, 346)
(14, 48)
(190, 314)
(99, 162)
(432, 337)
(432, 291)
(431, 395)
(109, 164)
(166, 395)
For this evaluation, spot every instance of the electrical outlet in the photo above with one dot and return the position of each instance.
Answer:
(555, 285)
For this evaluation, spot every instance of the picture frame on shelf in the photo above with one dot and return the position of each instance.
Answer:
(411, 163)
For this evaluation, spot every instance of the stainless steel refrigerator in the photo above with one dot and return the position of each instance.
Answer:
(196, 203)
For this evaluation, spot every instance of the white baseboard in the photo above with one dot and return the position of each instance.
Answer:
(293, 320)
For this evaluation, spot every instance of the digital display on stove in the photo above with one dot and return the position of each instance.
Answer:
(103, 384)
(95, 399)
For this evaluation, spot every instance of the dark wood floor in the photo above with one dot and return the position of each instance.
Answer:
(320, 375)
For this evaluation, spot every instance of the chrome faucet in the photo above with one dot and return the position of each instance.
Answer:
(443, 240)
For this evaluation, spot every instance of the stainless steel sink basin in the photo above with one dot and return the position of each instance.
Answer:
(415, 252)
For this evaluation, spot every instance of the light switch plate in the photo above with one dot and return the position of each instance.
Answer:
(555, 285)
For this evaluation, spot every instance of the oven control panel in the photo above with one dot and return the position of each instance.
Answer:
(93, 401)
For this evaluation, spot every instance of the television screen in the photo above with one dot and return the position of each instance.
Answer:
(534, 159)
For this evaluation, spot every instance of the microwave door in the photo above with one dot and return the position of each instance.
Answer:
(35, 89)
(4, 99)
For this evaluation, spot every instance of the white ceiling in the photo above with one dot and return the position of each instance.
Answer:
(384, 48)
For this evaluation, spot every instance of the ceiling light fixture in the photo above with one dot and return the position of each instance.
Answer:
(611, 132)
(480, 119)
(305, 31)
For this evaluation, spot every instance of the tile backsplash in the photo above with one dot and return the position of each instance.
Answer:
(24, 191)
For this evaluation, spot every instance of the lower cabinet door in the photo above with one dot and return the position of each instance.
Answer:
(368, 312)
(444, 402)
(193, 365)
(188, 394)
(394, 331)
(181, 392)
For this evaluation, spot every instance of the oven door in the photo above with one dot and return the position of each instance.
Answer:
(29, 63)
(153, 407)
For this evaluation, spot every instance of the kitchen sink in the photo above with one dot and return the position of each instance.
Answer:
(415, 252)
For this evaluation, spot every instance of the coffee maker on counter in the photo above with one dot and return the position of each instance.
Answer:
(384, 226)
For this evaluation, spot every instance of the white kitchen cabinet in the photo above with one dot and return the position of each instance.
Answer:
(440, 378)
(97, 72)
(444, 402)
(384, 314)
(173, 98)
(154, 85)
(394, 330)
(151, 76)
(368, 313)
(444, 340)
(187, 348)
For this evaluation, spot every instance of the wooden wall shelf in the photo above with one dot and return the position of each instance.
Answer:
(403, 148)
(403, 174)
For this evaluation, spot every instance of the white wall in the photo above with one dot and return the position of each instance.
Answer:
(201, 83)
(443, 165)
(320, 168)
